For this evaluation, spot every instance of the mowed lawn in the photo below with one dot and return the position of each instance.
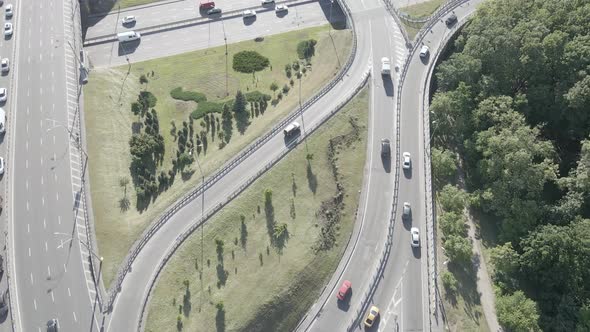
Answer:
(266, 289)
(110, 92)
(420, 10)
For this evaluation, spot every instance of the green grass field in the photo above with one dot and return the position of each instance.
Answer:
(420, 10)
(108, 96)
(272, 293)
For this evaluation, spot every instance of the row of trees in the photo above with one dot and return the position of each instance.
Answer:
(511, 99)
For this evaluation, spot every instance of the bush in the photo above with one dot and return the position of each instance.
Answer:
(452, 198)
(147, 99)
(206, 107)
(286, 89)
(178, 93)
(256, 96)
(449, 282)
(249, 62)
(306, 49)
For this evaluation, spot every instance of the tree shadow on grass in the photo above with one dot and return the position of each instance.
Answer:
(269, 212)
(186, 302)
(242, 121)
(243, 234)
(220, 321)
(222, 275)
(467, 288)
(312, 180)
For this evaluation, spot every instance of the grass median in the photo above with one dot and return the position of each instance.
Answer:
(256, 282)
(109, 121)
(419, 10)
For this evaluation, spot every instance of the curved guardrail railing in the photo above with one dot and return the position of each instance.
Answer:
(192, 21)
(184, 235)
(431, 265)
(155, 226)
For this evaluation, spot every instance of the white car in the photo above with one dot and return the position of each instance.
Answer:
(1, 165)
(407, 211)
(8, 11)
(267, 2)
(248, 13)
(8, 29)
(281, 8)
(407, 161)
(5, 65)
(3, 95)
(415, 237)
(424, 51)
(385, 66)
(128, 20)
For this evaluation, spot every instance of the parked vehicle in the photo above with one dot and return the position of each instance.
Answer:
(128, 36)
(3, 95)
(5, 65)
(8, 29)
(2, 121)
(8, 11)
(1, 165)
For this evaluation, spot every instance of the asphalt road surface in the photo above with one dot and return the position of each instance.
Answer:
(48, 269)
(211, 34)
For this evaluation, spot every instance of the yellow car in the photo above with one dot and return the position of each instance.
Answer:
(372, 316)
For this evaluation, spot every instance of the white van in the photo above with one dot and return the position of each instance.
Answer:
(291, 129)
(2, 121)
(128, 36)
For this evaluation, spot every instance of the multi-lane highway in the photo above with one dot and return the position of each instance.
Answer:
(210, 33)
(49, 268)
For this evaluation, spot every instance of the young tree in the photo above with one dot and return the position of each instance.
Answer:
(516, 312)
(274, 87)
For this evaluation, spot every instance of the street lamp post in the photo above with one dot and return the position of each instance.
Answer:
(202, 216)
(301, 111)
(57, 124)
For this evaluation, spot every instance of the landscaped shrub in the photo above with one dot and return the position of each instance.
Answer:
(256, 96)
(180, 94)
(249, 62)
(306, 48)
(206, 107)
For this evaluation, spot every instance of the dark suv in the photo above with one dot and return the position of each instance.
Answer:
(451, 20)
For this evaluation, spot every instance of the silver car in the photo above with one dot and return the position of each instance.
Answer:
(8, 29)
(3, 95)
(415, 237)
(407, 211)
(407, 164)
(1, 165)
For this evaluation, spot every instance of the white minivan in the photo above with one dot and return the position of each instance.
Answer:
(291, 129)
(128, 36)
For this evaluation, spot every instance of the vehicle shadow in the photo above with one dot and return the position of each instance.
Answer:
(388, 85)
(407, 173)
(334, 14)
(425, 59)
(417, 252)
(282, 13)
(386, 160)
(375, 326)
(407, 222)
(345, 305)
(129, 47)
(249, 20)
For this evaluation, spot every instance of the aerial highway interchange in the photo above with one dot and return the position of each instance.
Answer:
(50, 246)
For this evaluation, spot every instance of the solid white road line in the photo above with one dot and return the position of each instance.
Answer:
(29, 252)
(32, 283)
(35, 304)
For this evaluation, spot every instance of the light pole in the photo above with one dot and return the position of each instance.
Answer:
(301, 111)
(331, 3)
(57, 124)
(202, 216)
(226, 56)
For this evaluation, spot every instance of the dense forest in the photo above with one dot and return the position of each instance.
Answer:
(512, 111)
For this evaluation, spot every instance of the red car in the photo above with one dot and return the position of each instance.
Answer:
(344, 289)
(207, 5)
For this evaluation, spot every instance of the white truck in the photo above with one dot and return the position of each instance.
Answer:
(128, 36)
(385, 67)
(291, 129)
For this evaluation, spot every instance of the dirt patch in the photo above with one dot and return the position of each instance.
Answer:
(184, 106)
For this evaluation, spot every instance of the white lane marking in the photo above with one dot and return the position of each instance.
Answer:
(52, 298)
(59, 220)
(29, 252)
(27, 163)
(75, 319)
(32, 283)
(41, 141)
(55, 177)
(28, 228)
(43, 200)
(46, 249)
(48, 271)
(69, 293)
(44, 223)
(65, 270)
(42, 180)
(27, 184)
(27, 205)
(41, 161)
(57, 196)
(27, 145)
(35, 304)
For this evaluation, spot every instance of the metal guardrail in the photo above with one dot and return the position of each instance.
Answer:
(210, 181)
(396, 16)
(430, 229)
(184, 235)
(193, 21)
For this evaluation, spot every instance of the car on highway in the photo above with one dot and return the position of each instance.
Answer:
(248, 13)
(8, 29)
(424, 51)
(3, 95)
(8, 11)
(385, 66)
(372, 316)
(267, 2)
(451, 20)
(415, 237)
(214, 11)
(385, 147)
(128, 20)
(2, 121)
(344, 289)
(281, 8)
(407, 161)
(52, 325)
(1, 165)
(207, 5)
(291, 129)
(407, 211)
(5, 65)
